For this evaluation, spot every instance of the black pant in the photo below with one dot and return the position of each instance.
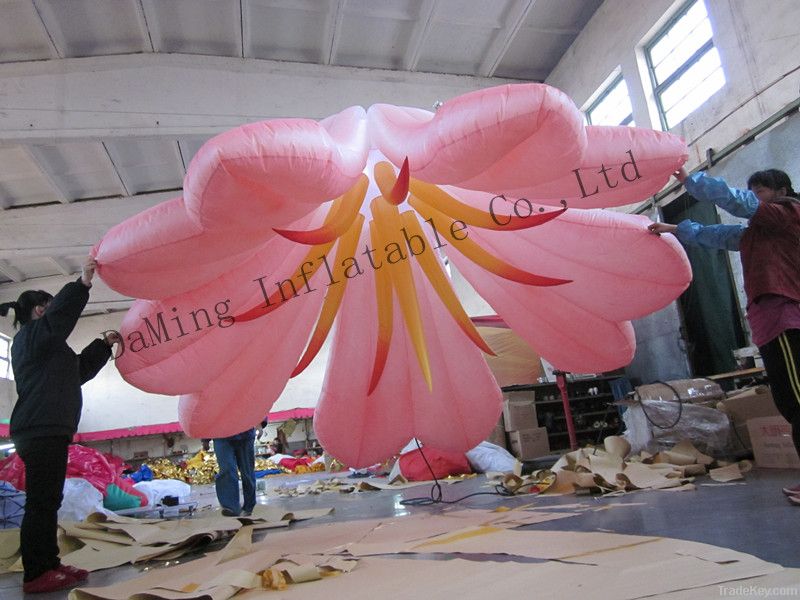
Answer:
(45, 461)
(782, 362)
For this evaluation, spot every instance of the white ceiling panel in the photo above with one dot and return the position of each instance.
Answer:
(373, 41)
(195, 26)
(461, 35)
(549, 29)
(189, 147)
(79, 169)
(147, 165)
(88, 139)
(92, 28)
(292, 31)
(566, 15)
(39, 266)
(21, 180)
(22, 34)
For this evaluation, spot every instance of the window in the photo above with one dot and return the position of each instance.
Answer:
(613, 106)
(5, 357)
(684, 64)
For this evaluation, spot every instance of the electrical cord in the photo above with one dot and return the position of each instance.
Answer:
(436, 490)
(680, 407)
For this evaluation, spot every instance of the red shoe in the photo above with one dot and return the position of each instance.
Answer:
(79, 574)
(49, 581)
(792, 491)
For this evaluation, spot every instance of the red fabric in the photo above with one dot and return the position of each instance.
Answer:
(87, 463)
(117, 462)
(126, 485)
(12, 470)
(442, 462)
(292, 463)
(769, 251)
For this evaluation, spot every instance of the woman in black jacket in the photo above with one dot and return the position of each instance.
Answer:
(49, 376)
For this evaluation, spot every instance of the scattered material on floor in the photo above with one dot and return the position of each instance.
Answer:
(333, 561)
(598, 470)
(102, 541)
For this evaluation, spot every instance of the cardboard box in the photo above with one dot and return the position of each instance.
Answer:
(519, 411)
(498, 435)
(741, 406)
(772, 443)
(527, 444)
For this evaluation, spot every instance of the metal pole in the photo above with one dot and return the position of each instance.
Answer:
(561, 382)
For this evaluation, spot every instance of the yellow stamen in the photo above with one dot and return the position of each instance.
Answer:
(387, 218)
(333, 299)
(441, 284)
(277, 299)
(436, 197)
(342, 214)
(478, 255)
(383, 296)
(394, 189)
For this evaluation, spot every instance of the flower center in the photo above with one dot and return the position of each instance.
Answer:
(390, 230)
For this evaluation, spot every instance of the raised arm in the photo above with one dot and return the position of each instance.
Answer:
(739, 203)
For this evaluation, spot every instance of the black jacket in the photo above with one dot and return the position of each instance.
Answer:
(48, 373)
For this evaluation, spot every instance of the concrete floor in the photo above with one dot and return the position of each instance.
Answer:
(754, 517)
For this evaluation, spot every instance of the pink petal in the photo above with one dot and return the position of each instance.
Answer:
(196, 353)
(240, 396)
(619, 271)
(571, 338)
(656, 155)
(361, 430)
(162, 251)
(269, 174)
(610, 257)
(506, 136)
(239, 186)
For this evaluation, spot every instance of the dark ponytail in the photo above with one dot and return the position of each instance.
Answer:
(773, 179)
(24, 305)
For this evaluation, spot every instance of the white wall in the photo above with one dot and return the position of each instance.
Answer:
(758, 42)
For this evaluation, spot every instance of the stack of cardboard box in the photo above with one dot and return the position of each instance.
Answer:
(526, 440)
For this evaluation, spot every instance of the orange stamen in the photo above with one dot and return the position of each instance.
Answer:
(341, 215)
(441, 284)
(434, 196)
(333, 299)
(394, 189)
(383, 294)
(387, 218)
(481, 257)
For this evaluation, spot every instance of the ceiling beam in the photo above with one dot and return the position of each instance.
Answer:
(101, 293)
(505, 36)
(61, 265)
(40, 162)
(157, 95)
(12, 273)
(45, 32)
(333, 31)
(419, 35)
(42, 230)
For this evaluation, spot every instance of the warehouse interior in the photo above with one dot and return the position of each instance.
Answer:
(108, 109)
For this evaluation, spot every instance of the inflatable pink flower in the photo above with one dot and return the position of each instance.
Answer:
(287, 227)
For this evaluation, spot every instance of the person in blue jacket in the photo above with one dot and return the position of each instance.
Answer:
(770, 251)
(48, 376)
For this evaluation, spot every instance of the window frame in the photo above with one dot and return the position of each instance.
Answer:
(658, 88)
(5, 362)
(604, 94)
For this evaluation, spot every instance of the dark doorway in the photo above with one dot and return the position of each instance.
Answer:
(710, 313)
